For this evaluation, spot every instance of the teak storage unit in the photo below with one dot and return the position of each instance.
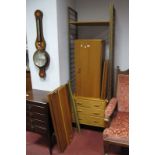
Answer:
(86, 76)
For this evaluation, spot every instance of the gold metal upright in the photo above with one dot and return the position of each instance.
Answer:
(74, 107)
(111, 52)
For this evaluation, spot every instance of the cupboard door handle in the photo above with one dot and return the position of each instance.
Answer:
(85, 46)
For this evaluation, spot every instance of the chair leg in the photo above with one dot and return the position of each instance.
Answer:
(106, 148)
(125, 151)
(109, 147)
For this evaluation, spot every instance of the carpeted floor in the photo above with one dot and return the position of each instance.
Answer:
(87, 142)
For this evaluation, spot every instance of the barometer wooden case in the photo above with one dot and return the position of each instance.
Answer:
(41, 58)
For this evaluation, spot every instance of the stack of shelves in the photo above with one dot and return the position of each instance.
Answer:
(91, 110)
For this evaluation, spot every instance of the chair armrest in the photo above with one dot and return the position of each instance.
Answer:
(109, 110)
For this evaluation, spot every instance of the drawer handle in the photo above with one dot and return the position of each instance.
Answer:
(79, 111)
(96, 106)
(96, 113)
(95, 122)
(80, 104)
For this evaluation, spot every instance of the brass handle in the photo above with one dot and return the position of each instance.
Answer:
(96, 113)
(96, 106)
(79, 111)
(95, 122)
(79, 70)
(80, 104)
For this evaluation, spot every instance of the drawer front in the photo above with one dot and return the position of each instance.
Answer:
(90, 111)
(38, 117)
(40, 130)
(28, 124)
(91, 120)
(37, 107)
(90, 103)
(37, 111)
(33, 103)
(39, 123)
(41, 117)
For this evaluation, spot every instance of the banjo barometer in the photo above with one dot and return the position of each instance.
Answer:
(40, 57)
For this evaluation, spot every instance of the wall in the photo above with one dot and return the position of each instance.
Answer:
(50, 31)
(99, 10)
(55, 29)
(62, 15)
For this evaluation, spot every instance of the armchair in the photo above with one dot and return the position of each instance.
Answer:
(117, 115)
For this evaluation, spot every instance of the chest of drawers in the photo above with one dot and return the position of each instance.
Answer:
(90, 111)
(38, 117)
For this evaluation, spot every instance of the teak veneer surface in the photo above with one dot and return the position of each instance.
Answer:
(61, 116)
(88, 62)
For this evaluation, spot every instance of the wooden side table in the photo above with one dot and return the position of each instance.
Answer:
(38, 117)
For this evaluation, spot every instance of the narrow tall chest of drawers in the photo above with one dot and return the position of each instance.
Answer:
(38, 117)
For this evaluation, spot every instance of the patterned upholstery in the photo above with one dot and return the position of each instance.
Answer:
(118, 130)
(110, 108)
(123, 92)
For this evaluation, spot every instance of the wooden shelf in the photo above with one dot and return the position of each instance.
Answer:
(89, 23)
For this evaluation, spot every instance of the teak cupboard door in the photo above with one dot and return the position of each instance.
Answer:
(58, 123)
(88, 62)
(61, 116)
(66, 112)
